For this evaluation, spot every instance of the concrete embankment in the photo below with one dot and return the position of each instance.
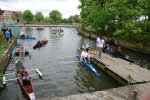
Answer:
(4, 59)
(133, 92)
(138, 47)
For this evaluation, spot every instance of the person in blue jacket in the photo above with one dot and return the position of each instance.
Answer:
(7, 35)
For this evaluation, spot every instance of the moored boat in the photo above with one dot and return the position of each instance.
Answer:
(88, 64)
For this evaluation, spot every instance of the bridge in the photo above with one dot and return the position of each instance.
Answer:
(50, 25)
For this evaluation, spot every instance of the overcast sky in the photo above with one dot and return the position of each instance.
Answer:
(66, 7)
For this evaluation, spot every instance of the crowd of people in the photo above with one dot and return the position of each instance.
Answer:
(108, 46)
(8, 34)
(103, 45)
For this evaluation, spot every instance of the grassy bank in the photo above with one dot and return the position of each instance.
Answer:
(3, 44)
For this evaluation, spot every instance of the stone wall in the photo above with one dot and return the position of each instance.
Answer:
(4, 59)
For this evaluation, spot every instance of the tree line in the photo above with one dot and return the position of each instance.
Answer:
(54, 17)
(126, 19)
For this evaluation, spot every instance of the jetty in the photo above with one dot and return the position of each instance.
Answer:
(121, 70)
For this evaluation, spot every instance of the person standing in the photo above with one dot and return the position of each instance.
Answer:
(100, 44)
(112, 46)
(11, 34)
(7, 35)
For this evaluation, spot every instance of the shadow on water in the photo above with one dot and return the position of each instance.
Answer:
(60, 79)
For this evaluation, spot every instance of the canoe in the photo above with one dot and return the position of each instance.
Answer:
(39, 44)
(28, 37)
(88, 64)
(26, 86)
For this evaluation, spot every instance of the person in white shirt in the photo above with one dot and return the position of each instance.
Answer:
(100, 44)
(86, 47)
(84, 55)
(22, 35)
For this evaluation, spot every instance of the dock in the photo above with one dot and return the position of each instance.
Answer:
(121, 69)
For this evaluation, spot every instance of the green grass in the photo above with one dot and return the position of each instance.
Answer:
(3, 45)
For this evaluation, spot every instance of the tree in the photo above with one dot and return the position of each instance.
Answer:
(56, 16)
(39, 17)
(64, 20)
(28, 16)
(71, 19)
(47, 20)
(76, 18)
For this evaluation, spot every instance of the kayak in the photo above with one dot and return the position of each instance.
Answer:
(88, 64)
(29, 37)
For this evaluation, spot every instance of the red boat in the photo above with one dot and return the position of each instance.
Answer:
(26, 87)
(24, 81)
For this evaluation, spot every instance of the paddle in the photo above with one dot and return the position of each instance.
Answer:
(37, 73)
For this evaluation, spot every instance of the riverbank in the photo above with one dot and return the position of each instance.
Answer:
(4, 58)
(138, 47)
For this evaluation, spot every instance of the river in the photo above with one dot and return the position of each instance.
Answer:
(62, 74)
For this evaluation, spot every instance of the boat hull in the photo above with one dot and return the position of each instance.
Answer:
(27, 87)
(44, 42)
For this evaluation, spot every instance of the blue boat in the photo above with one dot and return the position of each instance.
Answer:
(28, 37)
(88, 64)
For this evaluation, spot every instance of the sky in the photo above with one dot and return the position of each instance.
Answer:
(65, 7)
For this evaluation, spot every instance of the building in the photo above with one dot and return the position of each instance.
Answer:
(8, 17)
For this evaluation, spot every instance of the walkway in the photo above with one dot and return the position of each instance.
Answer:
(126, 70)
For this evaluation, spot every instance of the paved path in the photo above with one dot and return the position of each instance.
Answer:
(128, 71)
